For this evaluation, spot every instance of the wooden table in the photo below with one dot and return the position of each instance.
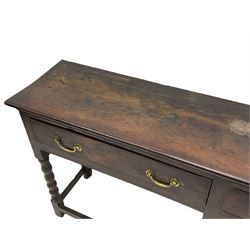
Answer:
(186, 146)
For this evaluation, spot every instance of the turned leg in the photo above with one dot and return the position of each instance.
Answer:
(52, 185)
(57, 198)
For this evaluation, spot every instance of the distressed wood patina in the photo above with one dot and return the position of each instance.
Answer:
(133, 120)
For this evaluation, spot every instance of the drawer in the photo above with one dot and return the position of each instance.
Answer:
(237, 203)
(187, 188)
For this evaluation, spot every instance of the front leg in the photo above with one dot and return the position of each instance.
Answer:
(57, 198)
(52, 185)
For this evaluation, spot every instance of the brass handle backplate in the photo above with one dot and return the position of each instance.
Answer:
(172, 183)
(76, 147)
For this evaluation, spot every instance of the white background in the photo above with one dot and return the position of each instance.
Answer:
(202, 46)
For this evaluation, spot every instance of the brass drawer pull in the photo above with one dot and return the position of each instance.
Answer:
(76, 147)
(172, 183)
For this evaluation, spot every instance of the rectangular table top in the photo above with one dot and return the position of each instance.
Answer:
(208, 132)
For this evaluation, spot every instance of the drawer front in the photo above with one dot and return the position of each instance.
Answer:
(191, 190)
(237, 203)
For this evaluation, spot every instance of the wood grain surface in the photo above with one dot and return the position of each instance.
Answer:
(125, 165)
(205, 131)
(237, 203)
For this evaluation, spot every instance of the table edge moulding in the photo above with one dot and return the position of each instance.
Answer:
(188, 147)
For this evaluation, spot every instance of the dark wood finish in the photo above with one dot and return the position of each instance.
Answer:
(86, 172)
(127, 125)
(51, 182)
(57, 198)
(124, 165)
(215, 198)
(52, 185)
(181, 124)
(227, 199)
(237, 203)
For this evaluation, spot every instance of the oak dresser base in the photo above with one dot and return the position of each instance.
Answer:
(188, 147)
